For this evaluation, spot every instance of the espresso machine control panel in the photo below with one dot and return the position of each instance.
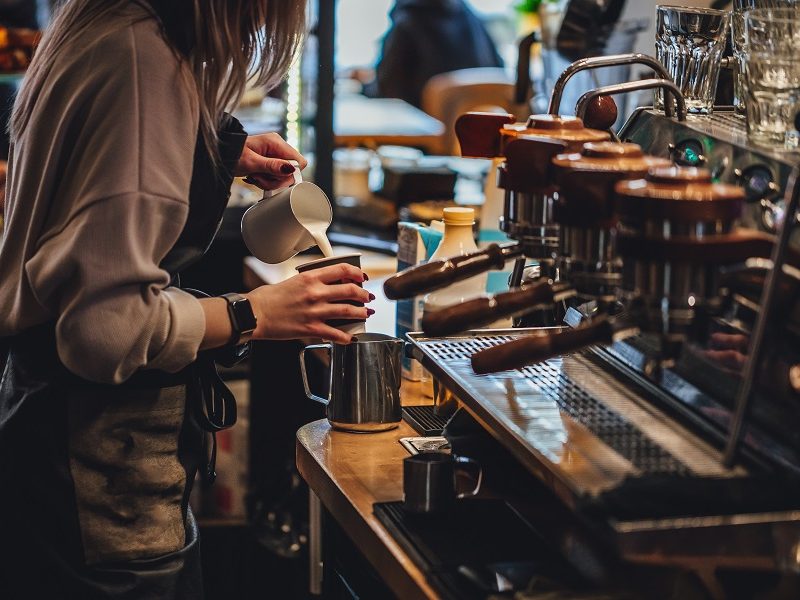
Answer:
(718, 143)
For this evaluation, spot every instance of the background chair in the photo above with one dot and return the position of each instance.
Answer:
(448, 95)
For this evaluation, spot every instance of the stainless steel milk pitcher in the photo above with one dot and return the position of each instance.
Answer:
(364, 391)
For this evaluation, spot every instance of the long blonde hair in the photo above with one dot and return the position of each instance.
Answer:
(235, 41)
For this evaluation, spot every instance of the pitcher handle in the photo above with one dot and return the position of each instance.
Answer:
(297, 177)
(463, 460)
(306, 387)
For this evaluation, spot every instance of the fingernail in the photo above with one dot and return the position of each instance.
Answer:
(287, 169)
(371, 296)
(370, 312)
(366, 277)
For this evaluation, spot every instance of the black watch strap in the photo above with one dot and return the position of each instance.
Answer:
(243, 320)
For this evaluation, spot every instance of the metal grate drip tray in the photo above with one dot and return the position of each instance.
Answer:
(424, 420)
(550, 379)
(605, 449)
(570, 415)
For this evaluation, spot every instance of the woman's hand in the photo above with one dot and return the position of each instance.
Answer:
(265, 161)
(299, 306)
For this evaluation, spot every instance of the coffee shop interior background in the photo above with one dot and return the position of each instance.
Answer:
(254, 520)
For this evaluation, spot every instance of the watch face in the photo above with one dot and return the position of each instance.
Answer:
(244, 316)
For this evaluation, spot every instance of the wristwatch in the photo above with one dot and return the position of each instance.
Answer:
(243, 321)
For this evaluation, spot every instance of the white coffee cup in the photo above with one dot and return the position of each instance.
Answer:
(279, 225)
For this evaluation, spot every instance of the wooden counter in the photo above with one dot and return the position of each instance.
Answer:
(349, 472)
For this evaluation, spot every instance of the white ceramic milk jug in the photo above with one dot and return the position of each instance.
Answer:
(287, 221)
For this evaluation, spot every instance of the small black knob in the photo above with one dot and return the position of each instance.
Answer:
(688, 153)
(758, 183)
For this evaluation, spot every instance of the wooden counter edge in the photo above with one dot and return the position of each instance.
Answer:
(375, 543)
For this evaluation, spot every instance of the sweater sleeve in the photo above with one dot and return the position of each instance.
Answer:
(122, 203)
(115, 311)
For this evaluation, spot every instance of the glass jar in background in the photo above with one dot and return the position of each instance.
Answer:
(740, 7)
(689, 43)
(771, 67)
(351, 168)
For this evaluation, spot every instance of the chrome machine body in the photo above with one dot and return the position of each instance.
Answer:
(693, 461)
(719, 143)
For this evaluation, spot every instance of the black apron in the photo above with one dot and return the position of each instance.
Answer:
(95, 479)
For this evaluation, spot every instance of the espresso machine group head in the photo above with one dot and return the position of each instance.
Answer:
(523, 153)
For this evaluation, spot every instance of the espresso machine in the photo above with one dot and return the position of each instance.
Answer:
(661, 406)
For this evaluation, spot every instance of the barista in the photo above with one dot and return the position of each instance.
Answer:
(120, 166)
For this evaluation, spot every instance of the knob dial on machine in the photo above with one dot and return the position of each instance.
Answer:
(759, 186)
(688, 153)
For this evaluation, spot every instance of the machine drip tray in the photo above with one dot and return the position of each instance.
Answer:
(424, 420)
(478, 548)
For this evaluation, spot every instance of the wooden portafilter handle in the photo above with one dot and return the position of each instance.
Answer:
(435, 275)
(537, 348)
(486, 309)
(479, 135)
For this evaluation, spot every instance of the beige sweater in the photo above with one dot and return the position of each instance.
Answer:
(98, 188)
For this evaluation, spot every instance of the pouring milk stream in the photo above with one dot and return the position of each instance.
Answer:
(318, 228)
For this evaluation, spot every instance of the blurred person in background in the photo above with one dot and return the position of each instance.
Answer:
(426, 38)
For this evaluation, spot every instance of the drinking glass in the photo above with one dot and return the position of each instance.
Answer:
(772, 76)
(740, 7)
(689, 43)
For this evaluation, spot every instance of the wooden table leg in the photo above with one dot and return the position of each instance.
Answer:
(314, 544)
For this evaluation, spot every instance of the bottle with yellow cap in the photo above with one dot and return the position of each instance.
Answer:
(457, 240)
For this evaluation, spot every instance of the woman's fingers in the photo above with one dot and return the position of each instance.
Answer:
(268, 154)
(347, 291)
(275, 167)
(267, 182)
(727, 358)
(337, 273)
(343, 311)
(272, 144)
(304, 305)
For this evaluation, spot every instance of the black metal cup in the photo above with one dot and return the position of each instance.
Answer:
(352, 326)
(429, 481)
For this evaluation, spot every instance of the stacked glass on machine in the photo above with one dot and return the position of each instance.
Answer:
(771, 77)
(689, 43)
(740, 8)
